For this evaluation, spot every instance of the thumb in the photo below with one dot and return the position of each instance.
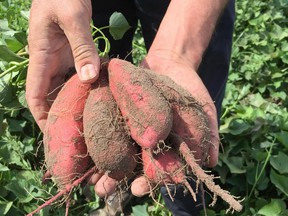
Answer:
(86, 58)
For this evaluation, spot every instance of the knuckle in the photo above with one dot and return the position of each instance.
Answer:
(83, 51)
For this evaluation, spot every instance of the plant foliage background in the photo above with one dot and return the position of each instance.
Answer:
(254, 123)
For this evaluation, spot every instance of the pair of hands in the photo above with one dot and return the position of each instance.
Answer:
(60, 38)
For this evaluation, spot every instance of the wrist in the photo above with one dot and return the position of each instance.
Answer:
(186, 30)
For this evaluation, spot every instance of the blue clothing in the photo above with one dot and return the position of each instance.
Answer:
(213, 69)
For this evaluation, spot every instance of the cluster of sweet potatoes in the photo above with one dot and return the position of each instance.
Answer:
(129, 117)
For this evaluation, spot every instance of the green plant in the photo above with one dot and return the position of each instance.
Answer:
(254, 123)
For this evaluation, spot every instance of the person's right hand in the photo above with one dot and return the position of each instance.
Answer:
(59, 38)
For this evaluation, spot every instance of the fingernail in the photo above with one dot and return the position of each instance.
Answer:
(88, 72)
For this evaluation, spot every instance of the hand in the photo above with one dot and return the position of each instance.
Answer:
(59, 38)
(181, 72)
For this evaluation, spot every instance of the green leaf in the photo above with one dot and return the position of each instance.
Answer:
(22, 99)
(13, 45)
(274, 208)
(238, 126)
(10, 155)
(5, 207)
(3, 168)
(23, 185)
(16, 125)
(18, 188)
(25, 14)
(282, 137)
(118, 25)
(256, 100)
(235, 164)
(280, 181)
(284, 58)
(4, 28)
(254, 178)
(140, 210)
(279, 162)
(1, 121)
(7, 55)
(6, 92)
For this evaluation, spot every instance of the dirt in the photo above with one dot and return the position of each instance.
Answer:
(107, 140)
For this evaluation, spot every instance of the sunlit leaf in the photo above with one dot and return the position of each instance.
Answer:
(7, 55)
(140, 210)
(274, 208)
(5, 207)
(118, 25)
(3, 168)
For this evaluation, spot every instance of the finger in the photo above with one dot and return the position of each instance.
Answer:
(213, 151)
(94, 178)
(140, 186)
(37, 85)
(48, 56)
(105, 186)
(75, 23)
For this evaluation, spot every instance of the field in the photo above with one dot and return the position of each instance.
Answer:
(254, 120)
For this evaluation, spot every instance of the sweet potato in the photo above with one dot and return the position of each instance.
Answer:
(65, 150)
(147, 112)
(189, 119)
(107, 139)
(165, 168)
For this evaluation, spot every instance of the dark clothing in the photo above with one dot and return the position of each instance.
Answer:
(213, 69)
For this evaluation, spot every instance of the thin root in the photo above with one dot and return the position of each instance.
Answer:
(205, 178)
(64, 191)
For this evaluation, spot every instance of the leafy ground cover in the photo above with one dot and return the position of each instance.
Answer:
(254, 122)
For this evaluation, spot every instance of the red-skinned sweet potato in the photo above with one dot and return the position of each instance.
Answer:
(66, 154)
(165, 168)
(148, 114)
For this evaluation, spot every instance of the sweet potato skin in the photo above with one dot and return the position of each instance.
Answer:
(190, 122)
(148, 114)
(64, 147)
(163, 168)
(107, 140)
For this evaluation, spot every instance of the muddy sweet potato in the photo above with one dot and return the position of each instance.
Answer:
(106, 136)
(147, 112)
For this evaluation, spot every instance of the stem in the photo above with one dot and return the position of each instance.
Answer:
(107, 43)
(262, 170)
(14, 67)
(139, 47)
(158, 201)
(104, 27)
